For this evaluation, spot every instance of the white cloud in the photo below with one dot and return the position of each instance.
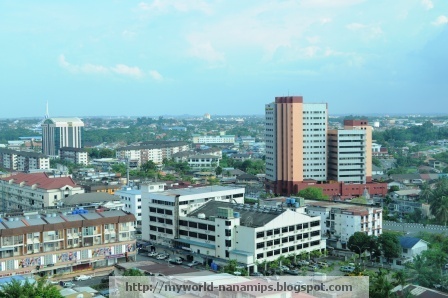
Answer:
(85, 68)
(204, 50)
(427, 4)
(369, 31)
(127, 70)
(441, 20)
(155, 75)
(178, 5)
(120, 69)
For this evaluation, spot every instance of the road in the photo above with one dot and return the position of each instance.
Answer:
(413, 229)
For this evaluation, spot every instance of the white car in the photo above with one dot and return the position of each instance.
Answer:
(152, 254)
(161, 257)
(83, 277)
(194, 263)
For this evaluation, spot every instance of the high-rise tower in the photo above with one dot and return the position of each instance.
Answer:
(61, 132)
(296, 143)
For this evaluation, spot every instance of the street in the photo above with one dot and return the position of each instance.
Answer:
(413, 229)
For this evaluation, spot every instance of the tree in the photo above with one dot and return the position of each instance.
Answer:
(389, 245)
(149, 166)
(218, 170)
(400, 278)
(394, 188)
(380, 286)
(312, 193)
(439, 208)
(39, 289)
(358, 243)
(133, 272)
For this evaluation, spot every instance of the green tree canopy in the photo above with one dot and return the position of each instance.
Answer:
(389, 245)
(358, 242)
(133, 272)
(312, 193)
(39, 289)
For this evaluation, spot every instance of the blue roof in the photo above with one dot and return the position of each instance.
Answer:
(22, 279)
(408, 242)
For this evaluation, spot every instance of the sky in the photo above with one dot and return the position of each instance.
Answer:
(223, 57)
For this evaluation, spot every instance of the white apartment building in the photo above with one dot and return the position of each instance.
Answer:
(271, 141)
(37, 190)
(339, 221)
(61, 132)
(132, 198)
(23, 161)
(155, 151)
(203, 161)
(347, 155)
(64, 242)
(74, 155)
(214, 223)
(220, 139)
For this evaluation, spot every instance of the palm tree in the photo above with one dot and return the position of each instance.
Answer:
(426, 192)
(439, 209)
(381, 287)
(400, 278)
(17, 289)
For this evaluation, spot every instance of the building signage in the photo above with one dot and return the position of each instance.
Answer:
(115, 256)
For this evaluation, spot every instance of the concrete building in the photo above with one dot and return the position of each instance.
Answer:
(74, 155)
(214, 223)
(66, 242)
(297, 150)
(155, 151)
(363, 125)
(36, 191)
(340, 221)
(203, 161)
(61, 132)
(410, 247)
(213, 140)
(132, 198)
(296, 143)
(347, 155)
(23, 161)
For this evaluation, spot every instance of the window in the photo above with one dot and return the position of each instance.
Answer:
(276, 231)
(276, 241)
(260, 245)
(228, 233)
(260, 234)
(211, 237)
(260, 256)
(269, 233)
(228, 243)
(228, 223)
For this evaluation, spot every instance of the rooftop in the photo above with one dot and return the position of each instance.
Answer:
(41, 180)
(196, 190)
(249, 214)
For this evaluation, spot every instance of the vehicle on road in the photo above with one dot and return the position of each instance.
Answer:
(152, 254)
(66, 284)
(82, 277)
(193, 263)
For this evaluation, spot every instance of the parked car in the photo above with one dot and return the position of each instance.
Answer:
(82, 277)
(322, 264)
(292, 272)
(193, 263)
(176, 261)
(256, 274)
(313, 267)
(152, 254)
(284, 268)
(161, 256)
(347, 268)
(303, 262)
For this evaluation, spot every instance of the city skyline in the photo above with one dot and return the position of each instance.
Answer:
(147, 58)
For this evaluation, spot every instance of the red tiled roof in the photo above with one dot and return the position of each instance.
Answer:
(42, 180)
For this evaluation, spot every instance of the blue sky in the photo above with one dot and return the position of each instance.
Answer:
(173, 57)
